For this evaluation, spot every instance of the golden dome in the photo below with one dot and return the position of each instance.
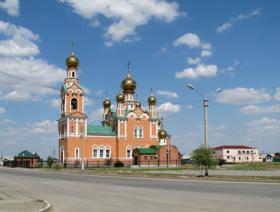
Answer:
(137, 104)
(152, 100)
(72, 60)
(162, 134)
(106, 103)
(120, 97)
(128, 84)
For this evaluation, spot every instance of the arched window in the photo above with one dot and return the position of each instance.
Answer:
(74, 104)
(73, 74)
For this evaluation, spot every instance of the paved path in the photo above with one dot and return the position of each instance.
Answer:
(14, 199)
(71, 192)
(275, 173)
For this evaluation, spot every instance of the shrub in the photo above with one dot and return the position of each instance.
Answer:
(50, 161)
(57, 166)
(118, 163)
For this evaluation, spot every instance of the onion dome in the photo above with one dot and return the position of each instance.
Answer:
(162, 134)
(128, 84)
(120, 97)
(106, 103)
(152, 100)
(72, 60)
(137, 104)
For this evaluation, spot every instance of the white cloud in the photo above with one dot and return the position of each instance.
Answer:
(20, 41)
(11, 6)
(193, 61)
(200, 70)
(255, 109)
(277, 94)
(7, 121)
(162, 51)
(126, 15)
(229, 24)
(35, 71)
(265, 126)
(168, 94)
(2, 110)
(189, 106)
(55, 103)
(191, 40)
(97, 115)
(224, 27)
(230, 69)
(45, 126)
(167, 108)
(242, 95)
(205, 53)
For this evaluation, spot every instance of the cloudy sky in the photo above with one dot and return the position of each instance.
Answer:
(233, 45)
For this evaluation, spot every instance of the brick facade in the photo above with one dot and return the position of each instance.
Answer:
(127, 127)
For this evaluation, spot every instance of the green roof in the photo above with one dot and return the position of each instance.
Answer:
(155, 147)
(100, 130)
(146, 151)
(26, 153)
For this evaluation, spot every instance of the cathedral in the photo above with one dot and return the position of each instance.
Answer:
(128, 133)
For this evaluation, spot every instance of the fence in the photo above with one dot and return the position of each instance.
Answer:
(115, 163)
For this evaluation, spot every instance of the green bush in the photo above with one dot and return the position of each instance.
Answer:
(118, 163)
(57, 166)
(50, 161)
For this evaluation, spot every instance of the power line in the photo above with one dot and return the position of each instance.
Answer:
(93, 97)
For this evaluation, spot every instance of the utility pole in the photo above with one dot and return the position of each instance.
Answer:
(205, 109)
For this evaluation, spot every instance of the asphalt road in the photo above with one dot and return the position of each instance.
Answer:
(71, 192)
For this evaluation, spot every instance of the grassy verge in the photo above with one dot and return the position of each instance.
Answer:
(255, 167)
(144, 172)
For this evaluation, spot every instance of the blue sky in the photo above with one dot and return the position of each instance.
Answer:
(231, 45)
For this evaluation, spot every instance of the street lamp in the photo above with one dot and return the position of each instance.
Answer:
(205, 107)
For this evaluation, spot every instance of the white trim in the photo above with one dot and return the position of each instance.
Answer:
(65, 105)
(125, 129)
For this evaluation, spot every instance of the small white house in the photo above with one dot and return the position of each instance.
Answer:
(237, 154)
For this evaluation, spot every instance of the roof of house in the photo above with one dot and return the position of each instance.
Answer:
(26, 153)
(233, 147)
(146, 151)
(100, 130)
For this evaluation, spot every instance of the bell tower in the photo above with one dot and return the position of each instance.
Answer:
(73, 122)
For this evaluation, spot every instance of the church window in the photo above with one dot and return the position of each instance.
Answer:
(107, 153)
(138, 133)
(73, 74)
(74, 104)
(72, 129)
(77, 153)
(128, 153)
(101, 153)
(94, 153)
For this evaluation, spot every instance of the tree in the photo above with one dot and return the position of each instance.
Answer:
(203, 158)
(50, 161)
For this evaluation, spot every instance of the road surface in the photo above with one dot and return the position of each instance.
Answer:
(75, 192)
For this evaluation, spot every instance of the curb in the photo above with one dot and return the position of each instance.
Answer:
(46, 208)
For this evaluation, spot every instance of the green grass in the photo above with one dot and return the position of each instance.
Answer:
(256, 167)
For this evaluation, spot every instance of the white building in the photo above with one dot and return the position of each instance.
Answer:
(237, 154)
